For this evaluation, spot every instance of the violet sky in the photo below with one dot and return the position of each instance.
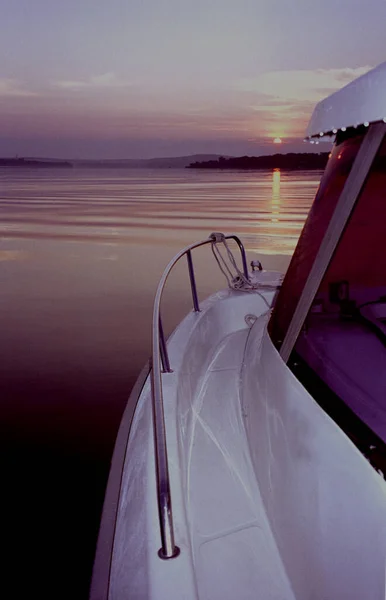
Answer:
(131, 78)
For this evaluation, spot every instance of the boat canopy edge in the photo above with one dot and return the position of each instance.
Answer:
(361, 102)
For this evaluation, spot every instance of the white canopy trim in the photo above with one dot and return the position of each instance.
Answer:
(361, 102)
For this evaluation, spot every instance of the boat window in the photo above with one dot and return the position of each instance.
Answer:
(343, 340)
(331, 186)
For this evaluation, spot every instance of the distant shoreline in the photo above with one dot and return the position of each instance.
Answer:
(36, 164)
(285, 162)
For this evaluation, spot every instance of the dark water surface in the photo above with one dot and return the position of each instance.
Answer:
(81, 252)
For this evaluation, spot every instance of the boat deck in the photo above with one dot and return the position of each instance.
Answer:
(230, 531)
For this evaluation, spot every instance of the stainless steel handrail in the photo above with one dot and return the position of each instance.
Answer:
(160, 356)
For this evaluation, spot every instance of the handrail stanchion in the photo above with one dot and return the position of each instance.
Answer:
(242, 252)
(192, 281)
(160, 360)
(163, 350)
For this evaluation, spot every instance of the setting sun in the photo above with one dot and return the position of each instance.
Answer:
(277, 140)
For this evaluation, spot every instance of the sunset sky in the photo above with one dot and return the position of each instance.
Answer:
(144, 78)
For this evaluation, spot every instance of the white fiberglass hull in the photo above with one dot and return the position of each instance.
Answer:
(270, 499)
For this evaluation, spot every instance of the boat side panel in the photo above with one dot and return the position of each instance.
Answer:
(325, 503)
(101, 572)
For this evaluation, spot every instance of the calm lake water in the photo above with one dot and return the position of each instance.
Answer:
(81, 252)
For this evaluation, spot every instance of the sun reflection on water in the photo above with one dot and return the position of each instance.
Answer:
(275, 195)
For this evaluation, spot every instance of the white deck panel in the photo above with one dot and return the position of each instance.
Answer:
(231, 535)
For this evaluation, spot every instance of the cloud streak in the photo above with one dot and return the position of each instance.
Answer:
(104, 81)
(14, 89)
(305, 85)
